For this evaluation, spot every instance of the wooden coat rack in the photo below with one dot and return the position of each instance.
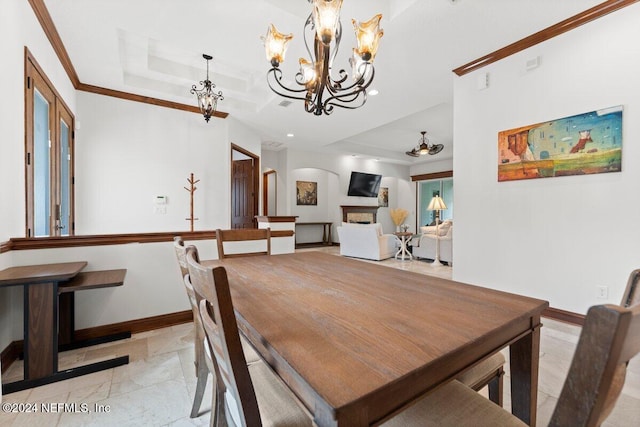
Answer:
(192, 189)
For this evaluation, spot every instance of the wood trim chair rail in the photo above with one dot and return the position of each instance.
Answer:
(23, 243)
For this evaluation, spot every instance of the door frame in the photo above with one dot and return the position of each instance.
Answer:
(265, 192)
(256, 180)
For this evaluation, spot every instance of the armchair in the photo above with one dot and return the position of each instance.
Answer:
(366, 241)
(424, 246)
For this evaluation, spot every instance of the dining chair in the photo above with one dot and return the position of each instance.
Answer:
(610, 337)
(490, 373)
(204, 364)
(243, 235)
(253, 395)
(202, 370)
(631, 294)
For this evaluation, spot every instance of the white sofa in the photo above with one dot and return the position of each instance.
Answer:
(366, 241)
(424, 245)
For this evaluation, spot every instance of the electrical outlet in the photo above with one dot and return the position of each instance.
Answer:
(603, 292)
(160, 209)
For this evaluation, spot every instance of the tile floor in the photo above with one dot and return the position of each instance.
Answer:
(156, 387)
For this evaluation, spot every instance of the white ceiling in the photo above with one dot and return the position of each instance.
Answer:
(154, 48)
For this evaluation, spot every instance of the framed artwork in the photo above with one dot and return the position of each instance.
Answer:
(383, 197)
(583, 144)
(306, 193)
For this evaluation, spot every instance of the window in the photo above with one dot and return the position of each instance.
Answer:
(426, 191)
(49, 156)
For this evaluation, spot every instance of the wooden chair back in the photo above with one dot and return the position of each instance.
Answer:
(243, 234)
(632, 294)
(610, 338)
(181, 255)
(219, 321)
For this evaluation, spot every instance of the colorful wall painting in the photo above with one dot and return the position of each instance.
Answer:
(583, 144)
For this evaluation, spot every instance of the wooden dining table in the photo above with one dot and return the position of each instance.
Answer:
(357, 342)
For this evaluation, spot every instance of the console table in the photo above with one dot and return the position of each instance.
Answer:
(45, 287)
(326, 230)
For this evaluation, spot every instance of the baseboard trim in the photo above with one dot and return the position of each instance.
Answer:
(11, 353)
(136, 326)
(13, 350)
(564, 316)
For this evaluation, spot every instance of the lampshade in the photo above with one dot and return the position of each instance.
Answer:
(208, 103)
(326, 14)
(436, 204)
(368, 34)
(275, 44)
(308, 73)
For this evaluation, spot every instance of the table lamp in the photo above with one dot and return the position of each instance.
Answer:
(437, 204)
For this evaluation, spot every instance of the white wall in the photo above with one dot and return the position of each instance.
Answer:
(128, 152)
(18, 28)
(431, 167)
(152, 285)
(396, 177)
(554, 238)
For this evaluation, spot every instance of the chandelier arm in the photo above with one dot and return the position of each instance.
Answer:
(308, 25)
(335, 101)
(355, 88)
(337, 39)
(280, 89)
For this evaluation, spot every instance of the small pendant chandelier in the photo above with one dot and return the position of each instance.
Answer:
(317, 88)
(207, 99)
(424, 147)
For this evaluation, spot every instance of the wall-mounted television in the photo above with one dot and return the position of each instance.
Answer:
(364, 184)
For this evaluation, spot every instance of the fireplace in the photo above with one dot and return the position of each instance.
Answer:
(359, 214)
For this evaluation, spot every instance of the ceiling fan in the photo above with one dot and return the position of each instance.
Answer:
(424, 147)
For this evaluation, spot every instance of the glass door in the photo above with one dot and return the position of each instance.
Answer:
(426, 191)
(63, 217)
(43, 108)
(49, 158)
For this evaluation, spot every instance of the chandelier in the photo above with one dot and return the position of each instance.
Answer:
(207, 99)
(425, 147)
(319, 90)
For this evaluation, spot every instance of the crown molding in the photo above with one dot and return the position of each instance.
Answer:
(569, 24)
(49, 28)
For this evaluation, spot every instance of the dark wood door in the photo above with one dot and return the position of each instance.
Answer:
(242, 194)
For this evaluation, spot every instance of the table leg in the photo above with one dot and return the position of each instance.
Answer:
(324, 234)
(40, 331)
(66, 318)
(524, 359)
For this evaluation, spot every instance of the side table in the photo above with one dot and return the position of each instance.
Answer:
(403, 252)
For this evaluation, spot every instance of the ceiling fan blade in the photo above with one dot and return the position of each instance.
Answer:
(435, 149)
(412, 153)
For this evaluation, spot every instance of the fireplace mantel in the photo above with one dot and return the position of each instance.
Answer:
(349, 209)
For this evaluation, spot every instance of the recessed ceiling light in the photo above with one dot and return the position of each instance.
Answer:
(290, 135)
(373, 92)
